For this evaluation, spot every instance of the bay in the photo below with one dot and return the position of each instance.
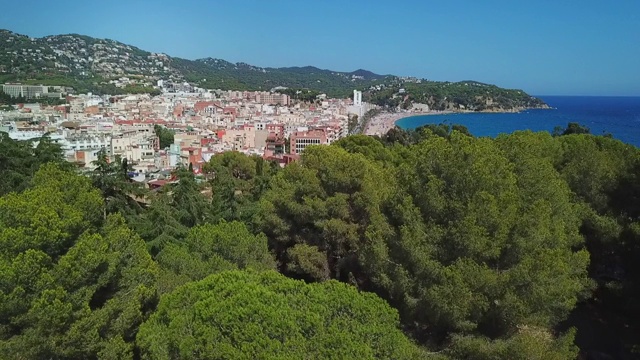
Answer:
(618, 116)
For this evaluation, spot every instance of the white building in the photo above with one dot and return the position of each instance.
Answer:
(357, 98)
(85, 142)
(358, 107)
(135, 147)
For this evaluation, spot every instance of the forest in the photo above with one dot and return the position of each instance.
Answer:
(421, 244)
(453, 96)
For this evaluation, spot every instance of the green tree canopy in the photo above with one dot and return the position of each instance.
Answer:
(192, 208)
(527, 343)
(70, 286)
(209, 249)
(332, 201)
(19, 160)
(458, 236)
(118, 190)
(164, 135)
(251, 315)
(159, 224)
(177, 207)
(484, 248)
(238, 181)
(572, 128)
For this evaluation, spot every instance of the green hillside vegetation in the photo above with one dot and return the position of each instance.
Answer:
(465, 95)
(427, 243)
(251, 315)
(219, 74)
(63, 60)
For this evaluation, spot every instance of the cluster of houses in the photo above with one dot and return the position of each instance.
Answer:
(204, 123)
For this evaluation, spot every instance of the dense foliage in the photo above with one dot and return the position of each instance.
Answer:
(443, 240)
(221, 74)
(71, 285)
(165, 135)
(422, 243)
(19, 160)
(249, 315)
(464, 95)
(212, 248)
(303, 95)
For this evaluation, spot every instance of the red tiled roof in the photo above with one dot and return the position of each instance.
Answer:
(201, 105)
(158, 182)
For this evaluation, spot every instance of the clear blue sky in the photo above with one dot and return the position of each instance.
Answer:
(546, 47)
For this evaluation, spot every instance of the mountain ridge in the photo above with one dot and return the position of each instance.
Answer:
(91, 64)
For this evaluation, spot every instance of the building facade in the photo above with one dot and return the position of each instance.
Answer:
(301, 139)
(25, 91)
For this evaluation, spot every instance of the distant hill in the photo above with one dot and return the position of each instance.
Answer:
(82, 61)
(87, 64)
(452, 96)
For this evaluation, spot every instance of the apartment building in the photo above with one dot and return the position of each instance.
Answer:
(87, 142)
(86, 158)
(187, 139)
(135, 147)
(278, 129)
(191, 155)
(275, 144)
(239, 138)
(25, 91)
(271, 98)
(301, 139)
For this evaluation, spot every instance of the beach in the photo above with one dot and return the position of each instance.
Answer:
(383, 122)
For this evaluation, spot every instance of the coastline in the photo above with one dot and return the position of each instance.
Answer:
(385, 121)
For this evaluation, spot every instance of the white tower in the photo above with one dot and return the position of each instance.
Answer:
(357, 98)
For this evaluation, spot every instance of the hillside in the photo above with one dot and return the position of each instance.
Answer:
(85, 62)
(88, 64)
(218, 73)
(450, 96)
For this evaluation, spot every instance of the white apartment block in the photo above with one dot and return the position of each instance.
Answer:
(86, 142)
(134, 147)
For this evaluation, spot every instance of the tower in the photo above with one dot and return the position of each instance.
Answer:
(357, 98)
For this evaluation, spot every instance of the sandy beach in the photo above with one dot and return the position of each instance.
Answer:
(383, 122)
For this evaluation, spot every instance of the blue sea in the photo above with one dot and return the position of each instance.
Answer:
(619, 116)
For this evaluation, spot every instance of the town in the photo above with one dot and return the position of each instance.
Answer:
(203, 123)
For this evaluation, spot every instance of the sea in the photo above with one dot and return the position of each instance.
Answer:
(618, 116)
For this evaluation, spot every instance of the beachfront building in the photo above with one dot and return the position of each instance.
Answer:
(357, 98)
(358, 108)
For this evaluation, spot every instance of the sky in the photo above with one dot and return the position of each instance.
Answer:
(545, 47)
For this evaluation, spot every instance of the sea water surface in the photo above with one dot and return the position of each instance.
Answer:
(618, 116)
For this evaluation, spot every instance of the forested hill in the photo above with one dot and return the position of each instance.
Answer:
(450, 96)
(422, 244)
(87, 64)
(78, 60)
